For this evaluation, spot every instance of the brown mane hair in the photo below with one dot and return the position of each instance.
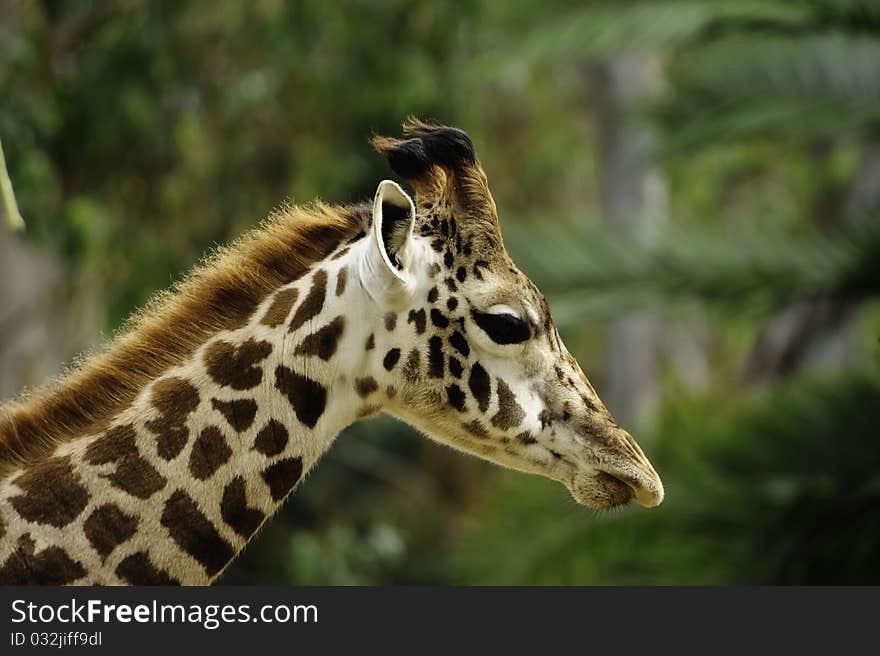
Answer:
(219, 294)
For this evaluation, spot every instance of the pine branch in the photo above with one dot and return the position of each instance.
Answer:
(608, 28)
(598, 275)
(808, 88)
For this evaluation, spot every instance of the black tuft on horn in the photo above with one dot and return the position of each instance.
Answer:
(429, 145)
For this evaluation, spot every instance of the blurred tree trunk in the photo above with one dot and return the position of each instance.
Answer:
(44, 319)
(634, 202)
(820, 334)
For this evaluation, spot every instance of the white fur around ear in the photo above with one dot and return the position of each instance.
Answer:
(387, 273)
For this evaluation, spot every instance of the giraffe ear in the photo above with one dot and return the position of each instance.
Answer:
(391, 252)
(393, 218)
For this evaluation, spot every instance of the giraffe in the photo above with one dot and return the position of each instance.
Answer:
(158, 459)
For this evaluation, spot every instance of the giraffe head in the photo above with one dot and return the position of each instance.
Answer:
(479, 364)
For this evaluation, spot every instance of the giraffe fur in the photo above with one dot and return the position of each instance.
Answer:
(157, 460)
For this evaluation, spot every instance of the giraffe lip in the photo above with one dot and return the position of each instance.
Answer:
(601, 490)
(615, 475)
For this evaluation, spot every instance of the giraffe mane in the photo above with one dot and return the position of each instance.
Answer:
(218, 294)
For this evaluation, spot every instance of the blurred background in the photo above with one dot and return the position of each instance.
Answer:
(695, 186)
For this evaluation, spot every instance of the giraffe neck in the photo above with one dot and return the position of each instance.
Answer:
(178, 482)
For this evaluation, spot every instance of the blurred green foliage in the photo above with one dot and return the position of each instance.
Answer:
(764, 491)
(140, 134)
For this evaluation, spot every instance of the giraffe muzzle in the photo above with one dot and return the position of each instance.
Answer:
(645, 486)
(602, 489)
(618, 474)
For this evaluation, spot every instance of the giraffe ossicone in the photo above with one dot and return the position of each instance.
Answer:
(156, 461)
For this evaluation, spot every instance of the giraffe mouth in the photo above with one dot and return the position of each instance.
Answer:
(616, 474)
(603, 490)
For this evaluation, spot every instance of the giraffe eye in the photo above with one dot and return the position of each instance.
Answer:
(502, 327)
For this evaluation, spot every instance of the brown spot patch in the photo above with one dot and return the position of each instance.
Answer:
(371, 342)
(435, 357)
(239, 413)
(478, 265)
(360, 235)
(480, 386)
(459, 343)
(476, 429)
(412, 368)
(243, 519)
(280, 307)
(324, 342)
(390, 321)
(272, 439)
(439, 319)
(368, 411)
(433, 295)
(108, 527)
(194, 533)
(365, 386)
(510, 413)
(560, 375)
(134, 474)
(282, 476)
(545, 418)
(236, 366)
(419, 318)
(52, 493)
(220, 295)
(307, 397)
(526, 438)
(342, 253)
(455, 367)
(209, 452)
(341, 279)
(588, 402)
(456, 397)
(138, 569)
(313, 303)
(391, 358)
(175, 399)
(52, 566)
